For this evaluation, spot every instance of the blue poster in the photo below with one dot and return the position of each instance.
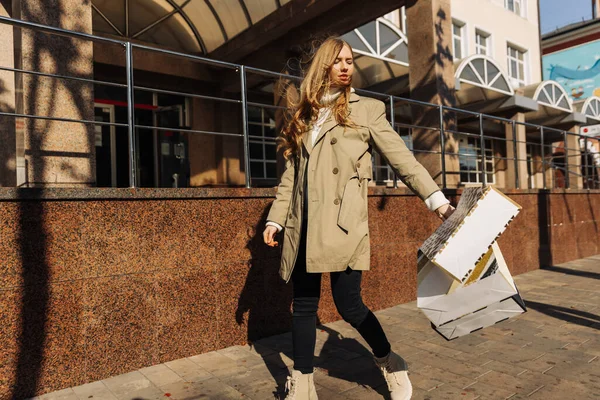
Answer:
(577, 70)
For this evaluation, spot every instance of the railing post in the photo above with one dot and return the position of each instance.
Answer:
(482, 146)
(130, 114)
(245, 124)
(543, 154)
(393, 122)
(516, 158)
(567, 172)
(442, 146)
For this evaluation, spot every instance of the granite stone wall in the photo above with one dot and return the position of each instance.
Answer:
(99, 282)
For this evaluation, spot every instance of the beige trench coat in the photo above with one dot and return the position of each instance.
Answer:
(339, 169)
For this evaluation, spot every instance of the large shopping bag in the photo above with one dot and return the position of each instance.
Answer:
(463, 281)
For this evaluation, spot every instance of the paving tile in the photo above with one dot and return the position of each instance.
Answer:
(149, 393)
(65, 394)
(363, 393)
(160, 375)
(97, 390)
(208, 389)
(188, 370)
(333, 383)
(449, 392)
(121, 385)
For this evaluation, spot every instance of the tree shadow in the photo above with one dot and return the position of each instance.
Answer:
(433, 88)
(38, 96)
(571, 315)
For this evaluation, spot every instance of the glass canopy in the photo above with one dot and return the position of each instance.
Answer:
(591, 108)
(482, 71)
(380, 52)
(197, 26)
(550, 93)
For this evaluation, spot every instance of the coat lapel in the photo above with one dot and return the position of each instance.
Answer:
(329, 124)
(306, 141)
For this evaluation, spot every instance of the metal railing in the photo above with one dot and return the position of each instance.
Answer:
(481, 132)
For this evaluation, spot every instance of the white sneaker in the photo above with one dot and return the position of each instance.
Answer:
(395, 371)
(300, 386)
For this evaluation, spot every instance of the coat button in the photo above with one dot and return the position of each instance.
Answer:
(357, 165)
(333, 141)
(335, 171)
(336, 201)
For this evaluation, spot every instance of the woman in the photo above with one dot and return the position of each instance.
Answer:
(322, 203)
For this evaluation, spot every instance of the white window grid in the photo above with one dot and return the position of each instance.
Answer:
(382, 172)
(516, 64)
(458, 40)
(470, 165)
(482, 42)
(262, 141)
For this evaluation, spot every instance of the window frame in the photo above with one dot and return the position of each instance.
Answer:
(263, 140)
(462, 26)
(522, 4)
(474, 143)
(488, 42)
(522, 81)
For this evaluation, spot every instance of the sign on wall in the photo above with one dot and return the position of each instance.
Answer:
(577, 70)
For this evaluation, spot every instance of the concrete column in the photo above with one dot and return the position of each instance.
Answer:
(57, 153)
(432, 80)
(521, 153)
(8, 147)
(573, 157)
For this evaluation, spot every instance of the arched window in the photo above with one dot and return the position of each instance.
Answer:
(480, 70)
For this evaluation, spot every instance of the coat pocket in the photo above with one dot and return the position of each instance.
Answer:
(353, 208)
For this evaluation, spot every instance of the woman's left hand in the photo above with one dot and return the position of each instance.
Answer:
(444, 212)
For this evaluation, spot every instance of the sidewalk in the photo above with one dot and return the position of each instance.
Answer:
(550, 352)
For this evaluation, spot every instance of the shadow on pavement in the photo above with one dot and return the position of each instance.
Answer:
(566, 314)
(569, 271)
(347, 359)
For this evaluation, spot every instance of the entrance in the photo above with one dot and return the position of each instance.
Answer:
(161, 153)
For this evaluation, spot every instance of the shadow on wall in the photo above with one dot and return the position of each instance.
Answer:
(264, 305)
(544, 228)
(35, 296)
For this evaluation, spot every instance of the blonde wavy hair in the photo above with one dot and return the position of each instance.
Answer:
(304, 109)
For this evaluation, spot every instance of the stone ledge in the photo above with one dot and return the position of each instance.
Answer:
(12, 194)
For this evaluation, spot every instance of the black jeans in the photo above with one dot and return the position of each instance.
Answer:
(345, 288)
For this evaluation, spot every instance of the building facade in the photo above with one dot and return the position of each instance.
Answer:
(138, 163)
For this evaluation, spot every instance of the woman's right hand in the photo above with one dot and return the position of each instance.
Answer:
(269, 236)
